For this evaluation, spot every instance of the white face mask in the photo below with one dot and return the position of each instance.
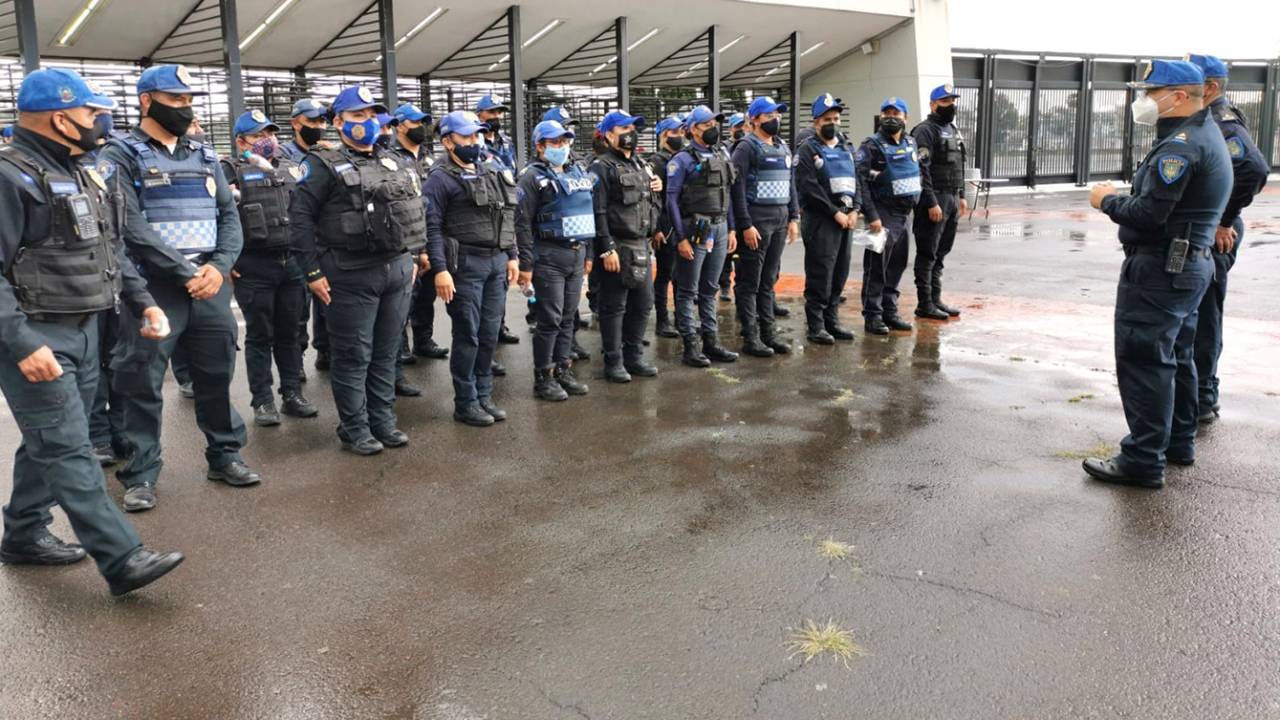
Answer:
(1146, 110)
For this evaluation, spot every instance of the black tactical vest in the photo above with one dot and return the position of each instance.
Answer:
(477, 221)
(630, 208)
(947, 158)
(264, 203)
(382, 211)
(706, 189)
(66, 262)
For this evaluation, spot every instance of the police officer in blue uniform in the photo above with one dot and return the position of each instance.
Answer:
(555, 226)
(358, 226)
(1167, 227)
(309, 119)
(61, 265)
(268, 281)
(765, 206)
(827, 187)
(627, 196)
(500, 155)
(698, 181)
(669, 133)
(559, 114)
(942, 157)
(183, 230)
(1250, 169)
(738, 131)
(475, 259)
(890, 178)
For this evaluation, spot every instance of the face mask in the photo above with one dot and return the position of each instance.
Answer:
(892, 125)
(266, 147)
(383, 141)
(494, 125)
(367, 135)
(105, 124)
(174, 120)
(556, 156)
(89, 135)
(675, 142)
(946, 113)
(310, 135)
(198, 137)
(628, 140)
(737, 134)
(468, 154)
(772, 128)
(417, 135)
(1146, 110)
(827, 132)
(710, 136)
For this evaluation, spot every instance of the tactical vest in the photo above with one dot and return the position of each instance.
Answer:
(566, 213)
(384, 211)
(178, 197)
(837, 172)
(900, 178)
(70, 266)
(477, 221)
(769, 181)
(264, 203)
(629, 206)
(946, 162)
(507, 178)
(706, 189)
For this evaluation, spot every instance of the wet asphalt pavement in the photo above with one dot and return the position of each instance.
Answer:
(647, 552)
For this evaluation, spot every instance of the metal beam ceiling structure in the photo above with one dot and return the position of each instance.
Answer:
(773, 72)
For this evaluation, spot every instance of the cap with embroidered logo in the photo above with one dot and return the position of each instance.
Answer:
(942, 92)
(167, 78)
(253, 121)
(1166, 73)
(59, 89)
(826, 103)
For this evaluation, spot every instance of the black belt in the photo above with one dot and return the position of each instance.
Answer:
(479, 251)
(562, 243)
(72, 319)
(713, 219)
(1131, 250)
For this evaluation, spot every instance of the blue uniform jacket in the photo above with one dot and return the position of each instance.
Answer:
(1247, 162)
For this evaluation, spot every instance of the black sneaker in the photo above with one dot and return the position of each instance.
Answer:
(495, 412)
(235, 474)
(393, 438)
(266, 415)
(139, 498)
(365, 446)
(430, 349)
(498, 369)
(404, 388)
(105, 456)
(295, 405)
(473, 415)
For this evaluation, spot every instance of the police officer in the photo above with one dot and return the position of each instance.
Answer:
(698, 182)
(827, 187)
(558, 114)
(358, 225)
(1250, 169)
(1167, 227)
(466, 200)
(942, 156)
(737, 129)
(183, 230)
(889, 173)
(268, 281)
(670, 135)
(555, 226)
(61, 264)
(500, 155)
(6, 135)
(309, 119)
(738, 132)
(626, 211)
(765, 207)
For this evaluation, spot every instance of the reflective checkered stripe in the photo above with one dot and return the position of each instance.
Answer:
(773, 190)
(844, 185)
(579, 227)
(190, 237)
(183, 213)
(906, 186)
(769, 182)
(571, 214)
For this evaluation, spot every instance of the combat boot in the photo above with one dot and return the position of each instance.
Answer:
(713, 350)
(571, 385)
(545, 386)
(693, 356)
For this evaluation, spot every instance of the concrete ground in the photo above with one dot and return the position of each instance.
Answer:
(649, 552)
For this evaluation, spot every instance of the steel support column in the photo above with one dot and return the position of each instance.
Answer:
(986, 114)
(1084, 123)
(28, 38)
(793, 80)
(1126, 162)
(623, 66)
(231, 60)
(1033, 124)
(1266, 136)
(387, 45)
(515, 76)
(713, 69)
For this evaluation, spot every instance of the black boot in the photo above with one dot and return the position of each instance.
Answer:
(818, 335)
(937, 302)
(545, 387)
(614, 372)
(925, 307)
(770, 339)
(571, 385)
(712, 348)
(876, 326)
(693, 356)
(751, 344)
(637, 367)
(664, 327)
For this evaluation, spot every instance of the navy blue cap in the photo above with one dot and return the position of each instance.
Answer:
(702, 114)
(895, 102)
(59, 89)
(356, 98)
(550, 130)
(411, 112)
(942, 92)
(462, 122)
(670, 122)
(618, 118)
(489, 102)
(310, 109)
(167, 78)
(762, 105)
(385, 119)
(826, 102)
(737, 119)
(1210, 66)
(560, 115)
(7, 131)
(253, 121)
(1163, 73)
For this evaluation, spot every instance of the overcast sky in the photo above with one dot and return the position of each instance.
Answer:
(1230, 29)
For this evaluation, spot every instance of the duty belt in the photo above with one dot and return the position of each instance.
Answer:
(480, 251)
(570, 244)
(1131, 250)
(72, 319)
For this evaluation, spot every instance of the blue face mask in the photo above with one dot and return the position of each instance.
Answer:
(556, 156)
(362, 133)
(103, 124)
(468, 153)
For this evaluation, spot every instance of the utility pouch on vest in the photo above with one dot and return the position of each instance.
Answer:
(634, 270)
(1177, 257)
(255, 222)
(451, 255)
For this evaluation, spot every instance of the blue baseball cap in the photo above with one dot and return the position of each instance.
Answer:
(7, 131)
(895, 102)
(489, 102)
(825, 102)
(1163, 73)
(59, 89)
(560, 115)
(618, 118)
(762, 105)
(253, 121)
(670, 122)
(356, 97)
(461, 122)
(737, 119)
(411, 112)
(550, 130)
(385, 120)
(310, 109)
(702, 114)
(167, 78)
(1210, 66)
(942, 92)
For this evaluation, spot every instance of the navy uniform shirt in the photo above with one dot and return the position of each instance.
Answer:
(744, 157)
(679, 168)
(929, 140)
(158, 260)
(290, 151)
(1249, 166)
(869, 162)
(812, 189)
(18, 194)
(501, 148)
(441, 190)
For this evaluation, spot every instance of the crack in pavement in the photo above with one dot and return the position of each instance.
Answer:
(1252, 491)
(571, 707)
(771, 680)
(969, 591)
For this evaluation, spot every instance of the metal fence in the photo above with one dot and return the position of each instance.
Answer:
(1035, 119)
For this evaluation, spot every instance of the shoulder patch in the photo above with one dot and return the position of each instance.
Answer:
(923, 151)
(860, 155)
(303, 170)
(1227, 116)
(1235, 148)
(673, 167)
(106, 169)
(1172, 167)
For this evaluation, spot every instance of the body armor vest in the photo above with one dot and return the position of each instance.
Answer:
(477, 221)
(178, 197)
(947, 160)
(630, 205)
(566, 212)
(264, 203)
(769, 182)
(383, 211)
(837, 171)
(900, 177)
(706, 189)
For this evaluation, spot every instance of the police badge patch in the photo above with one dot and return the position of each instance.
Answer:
(303, 170)
(1235, 148)
(211, 185)
(184, 76)
(364, 95)
(357, 132)
(96, 178)
(1172, 168)
(106, 169)
(390, 164)
(258, 116)
(672, 168)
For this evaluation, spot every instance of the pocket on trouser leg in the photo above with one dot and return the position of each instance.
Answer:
(1140, 338)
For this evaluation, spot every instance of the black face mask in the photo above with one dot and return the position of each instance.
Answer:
(494, 125)
(89, 135)
(310, 135)
(892, 126)
(739, 134)
(417, 135)
(174, 120)
(675, 142)
(383, 141)
(827, 132)
(946, 113)
(627, 141)
(711, 136)
(772, 127)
